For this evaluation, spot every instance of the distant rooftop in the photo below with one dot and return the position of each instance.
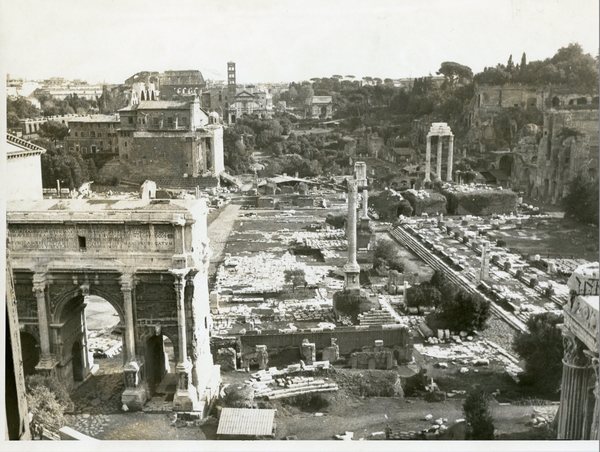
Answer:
(159, 105)
(96, 118)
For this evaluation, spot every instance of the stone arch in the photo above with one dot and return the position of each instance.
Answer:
(63, 299)
(77, 361)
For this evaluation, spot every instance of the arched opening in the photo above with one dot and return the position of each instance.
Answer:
(143, 97)
(30, 352)
(92, 357)
(160, 362)
(555, 102)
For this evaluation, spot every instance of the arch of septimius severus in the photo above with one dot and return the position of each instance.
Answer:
(147, 258)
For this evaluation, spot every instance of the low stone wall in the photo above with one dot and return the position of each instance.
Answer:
(433, 204)
(349, 340)
(484, 202)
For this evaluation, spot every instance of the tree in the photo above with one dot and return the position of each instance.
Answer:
(542, 349)
(510, 66)
(454, 73)
(523, 62)
(464, 312)
(423, 294)
(295, 277)
(385, 256)
(581, 202)
(480, 425)
(54, 130)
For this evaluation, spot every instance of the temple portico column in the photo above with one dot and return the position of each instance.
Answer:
(40, 283)
(438, 161)
(428, 159)
(365, 205)
(450, 158)
(574, 389)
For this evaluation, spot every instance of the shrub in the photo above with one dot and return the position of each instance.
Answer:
(463, 312)
(47, 399)
(480, 425)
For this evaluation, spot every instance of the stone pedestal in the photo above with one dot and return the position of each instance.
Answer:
(135, 394)
(262, 357)
(185, 398)
(308, 351)
(332, 353)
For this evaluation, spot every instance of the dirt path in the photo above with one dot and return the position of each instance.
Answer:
(218, 233)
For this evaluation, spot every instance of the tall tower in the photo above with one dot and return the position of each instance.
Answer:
(231, 83)
(351, 269)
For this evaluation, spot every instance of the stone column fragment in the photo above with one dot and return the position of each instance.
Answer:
(428, 159)
(450, 158)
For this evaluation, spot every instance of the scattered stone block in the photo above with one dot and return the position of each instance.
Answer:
(464, 370)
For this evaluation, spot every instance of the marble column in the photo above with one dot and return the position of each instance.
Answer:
(126, 288)
(596, 392)
(450, 158)
(428, 159)
(182, 400)
(484, 272)
(438, 162)
(351, 269)
(46, 363)
(365, 204)
(574, 389)
(134, 396)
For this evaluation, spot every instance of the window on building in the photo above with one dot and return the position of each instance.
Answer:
(93, 134)
(93, 149)
(84, 150)
(75, 133)
(82, 134)
(82, 243)
(130, 120)
(170, 121)
(155, 121)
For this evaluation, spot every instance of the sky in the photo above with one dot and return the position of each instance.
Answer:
(282, 40)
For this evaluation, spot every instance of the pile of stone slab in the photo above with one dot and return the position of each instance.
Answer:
(275, 384)
(104, 345)
(376, 317)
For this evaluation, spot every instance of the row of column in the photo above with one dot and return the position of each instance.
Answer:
(579, 399)
(438, 171)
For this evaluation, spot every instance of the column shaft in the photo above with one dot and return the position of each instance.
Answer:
(573, 399)
(438, 162)
(428, 159)
(365, 206)
(351, 228)
(39, 289)
(450, 158)
(126, 287)
(180, 295)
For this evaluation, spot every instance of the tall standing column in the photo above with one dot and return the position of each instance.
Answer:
(450, 158)
(182, 401)
(438, 161)
(46, 363)
(351, 269)
(126, 287)
(134, 396)
(428, 159)
(365, 204)
(574, 393)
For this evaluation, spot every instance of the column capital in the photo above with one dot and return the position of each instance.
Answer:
(574, 351)
(126, 280)
(40, 282)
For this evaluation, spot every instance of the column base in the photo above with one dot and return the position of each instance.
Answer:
(134, 398)
(47, 366)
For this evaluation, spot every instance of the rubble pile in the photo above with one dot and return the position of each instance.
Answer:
(262, 273)
(474, 353)
(103, 344)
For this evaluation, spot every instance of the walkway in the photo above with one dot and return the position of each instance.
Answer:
(218, 233)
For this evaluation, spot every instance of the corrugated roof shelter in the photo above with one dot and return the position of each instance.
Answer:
(245, 422)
